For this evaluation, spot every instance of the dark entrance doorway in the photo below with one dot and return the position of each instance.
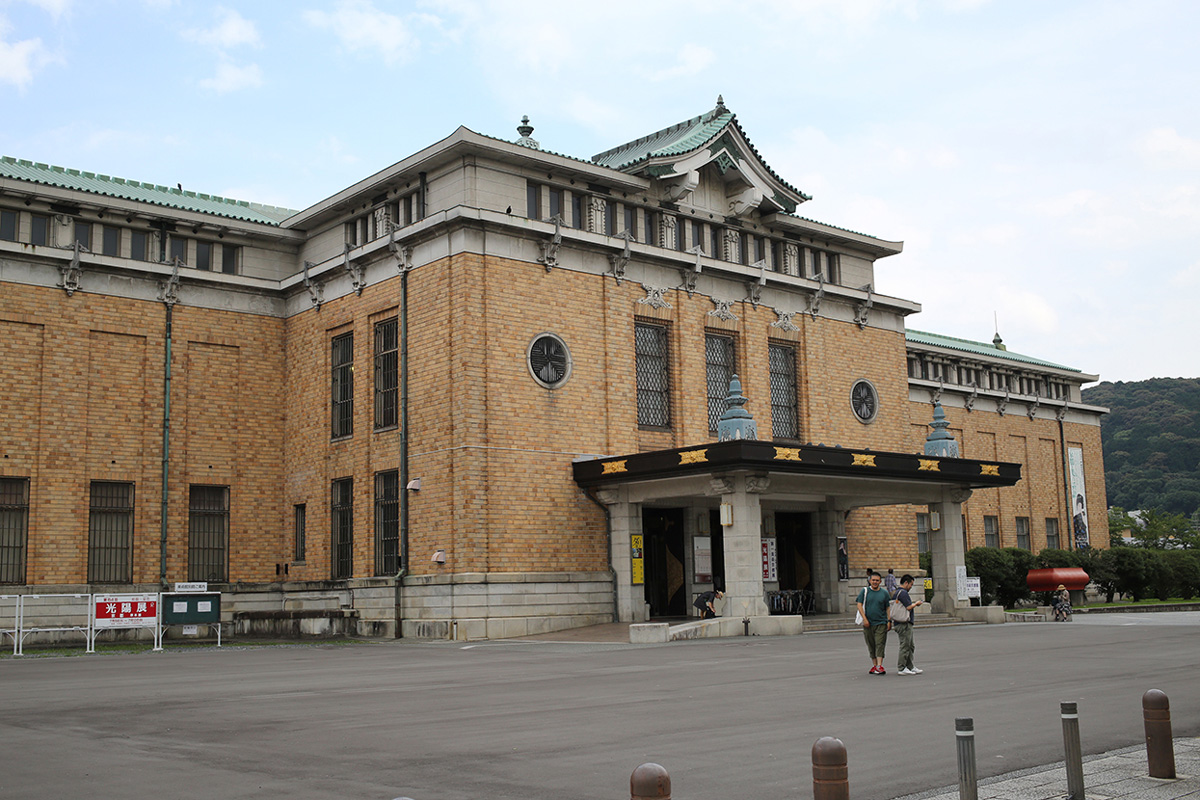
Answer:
(793, 542)
(666, 584)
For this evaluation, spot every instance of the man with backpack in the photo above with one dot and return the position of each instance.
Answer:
(903, 612)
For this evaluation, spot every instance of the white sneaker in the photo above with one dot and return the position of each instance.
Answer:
(915, 671)
(906, 672)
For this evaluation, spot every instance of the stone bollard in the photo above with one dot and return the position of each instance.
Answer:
(1073, 751)
(964, 745)
(1160, 747)
(831, 775)
(650, 781)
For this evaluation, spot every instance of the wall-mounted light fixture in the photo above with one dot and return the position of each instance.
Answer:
(726, 514)
(935, 520)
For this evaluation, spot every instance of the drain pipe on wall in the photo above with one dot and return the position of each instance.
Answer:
(1062, 445)
(403, 257)
(608, 549)
(169, 295)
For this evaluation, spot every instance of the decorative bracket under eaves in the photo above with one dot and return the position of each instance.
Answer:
(549, 256)
(754, 288)
(403, 255)
(863, 309)
(316, 292)
(621, 260)
(814, 302)
(168, 290)
(1062, 412)
(72, 273)
(357, 278)
(1002, 403)
(690, 276)
(935, 396)
(1033, 407)
(969, 402)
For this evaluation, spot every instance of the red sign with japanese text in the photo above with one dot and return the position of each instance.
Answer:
(126, 610)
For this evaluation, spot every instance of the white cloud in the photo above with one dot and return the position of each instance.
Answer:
(1166, 147)
(362, 28)
(1067, 203)
(1187, 277)
(233, 30)
(692, 59)
(19, 60)
(230, 78)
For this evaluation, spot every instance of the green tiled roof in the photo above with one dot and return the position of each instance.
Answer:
(680, 139)
(141, 192)
(978, 348)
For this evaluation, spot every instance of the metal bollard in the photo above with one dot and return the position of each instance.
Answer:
(831, 775)
(1160, 746)
(968, 779)
(1073, 752)
(650, 781)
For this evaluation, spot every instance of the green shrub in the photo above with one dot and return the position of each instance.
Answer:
(1185, 570)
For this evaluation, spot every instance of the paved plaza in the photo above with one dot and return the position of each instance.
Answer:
(732, 718)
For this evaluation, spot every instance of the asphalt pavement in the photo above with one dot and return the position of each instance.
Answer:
(546, 719)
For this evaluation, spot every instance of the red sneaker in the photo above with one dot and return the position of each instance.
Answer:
(873, 671)
(881, 671)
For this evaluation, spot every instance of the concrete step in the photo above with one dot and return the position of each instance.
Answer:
(824, 624)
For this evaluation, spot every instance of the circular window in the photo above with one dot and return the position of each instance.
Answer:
(549, 360)
(864, 400)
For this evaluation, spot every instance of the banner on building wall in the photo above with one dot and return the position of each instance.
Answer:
(770, 571)
(702, 558)
(1079, 522)
(638, 564)
(843, 559)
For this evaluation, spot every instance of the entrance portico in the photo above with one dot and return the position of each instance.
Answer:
(750, 480)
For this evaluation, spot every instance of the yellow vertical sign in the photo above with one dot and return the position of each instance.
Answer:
(639, 562)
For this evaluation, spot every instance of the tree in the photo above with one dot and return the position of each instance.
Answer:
(1185, 571)
(1162, 530)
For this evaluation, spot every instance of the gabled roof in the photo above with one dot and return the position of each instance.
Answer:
(980, 349)
(717, 128)
(48, 175)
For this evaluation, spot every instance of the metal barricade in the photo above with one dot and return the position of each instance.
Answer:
(73, 618)
(10, 614)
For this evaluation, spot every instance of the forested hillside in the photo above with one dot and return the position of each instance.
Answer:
(1151, 442)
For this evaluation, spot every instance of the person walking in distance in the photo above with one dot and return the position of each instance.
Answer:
(875, 610)
(889, 583)
(903, 616)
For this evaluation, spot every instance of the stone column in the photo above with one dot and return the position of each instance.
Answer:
(946, 545)
(626, 521)
(828, 525)
(743, 545)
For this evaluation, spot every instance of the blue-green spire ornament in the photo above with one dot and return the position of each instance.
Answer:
(736, 422)
(940, 442)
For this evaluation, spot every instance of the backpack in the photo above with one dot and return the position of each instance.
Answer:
(900, 612)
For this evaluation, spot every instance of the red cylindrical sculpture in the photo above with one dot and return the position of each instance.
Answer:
(1047, 580)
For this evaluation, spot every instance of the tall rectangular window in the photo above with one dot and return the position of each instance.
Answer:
(923, 532)
(299, 531)
(111, 241)
(204, 255)
(1052, 533)
(533, 201)
(387, 370)
(649, 230)
(138, 245)
(342, 390)
(715, 234)
(631, 221)
(83, 234)
(229, 259)
(179, 248)
(208, 533)
(577, 211)
(991, 531)
(653, 375)
(1023, 533)
(610, 217)
(341, 520)
(39, 229)
(556, 203)
(718, 356)
(387, 523)
(110, 532)
(14, 528)
(782, 360)
(8, 225)
(698, 234)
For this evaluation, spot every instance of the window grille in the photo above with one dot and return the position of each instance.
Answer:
(653, 376)
(342, 528)
(1052, 533)
(1023, 533)
(387, 523)
(299, 531)
(387, 360)
(14, 528)
(783, 392)
(991, 531)
(718, 354)
(342, 391)
(923, 532)
(110, 532)
(208, 533)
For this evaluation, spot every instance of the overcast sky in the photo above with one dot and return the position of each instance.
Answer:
(1039, 160)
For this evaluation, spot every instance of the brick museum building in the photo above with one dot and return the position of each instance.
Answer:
(492, 390)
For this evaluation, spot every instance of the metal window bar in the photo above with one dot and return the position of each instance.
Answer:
(341, 519)
(783, 392)
(718, 354)
(991, 531)
(1052, 533)
(387, 380)
(110, 532)
(299, 531)
(387, 523)
(14, 528)
(342, 389)
(1023, 533)
(653, 383)
(208, 533)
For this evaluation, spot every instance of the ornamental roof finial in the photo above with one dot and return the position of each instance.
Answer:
(525, 129)
(720, 101)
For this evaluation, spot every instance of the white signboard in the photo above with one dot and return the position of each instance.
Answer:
(960, 580)
(770, 570)
(191, 587)
(125, 610)
(971, 588)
